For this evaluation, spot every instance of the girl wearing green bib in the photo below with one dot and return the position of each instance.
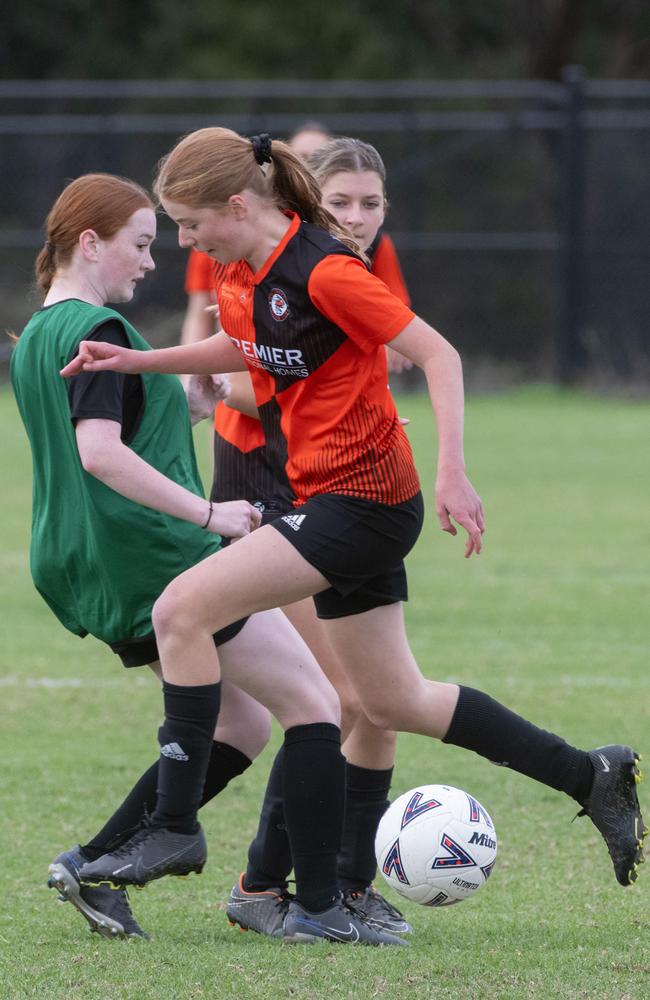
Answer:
(118, 512)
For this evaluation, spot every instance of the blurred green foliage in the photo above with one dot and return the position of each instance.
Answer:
(359, 39)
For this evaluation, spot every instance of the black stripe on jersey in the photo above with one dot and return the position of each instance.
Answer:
(250, 475)
(275, 448)
(292, 343)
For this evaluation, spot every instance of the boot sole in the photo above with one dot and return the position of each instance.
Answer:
(70, 892)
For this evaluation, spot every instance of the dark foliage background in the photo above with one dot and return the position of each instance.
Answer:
(355, 39)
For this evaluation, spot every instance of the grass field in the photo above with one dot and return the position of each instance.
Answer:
(552, 619)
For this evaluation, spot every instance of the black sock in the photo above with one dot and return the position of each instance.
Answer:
(185, 739)
(269, 855)
(226, 762)
(481, 724)
(314, 800)
(366, 801)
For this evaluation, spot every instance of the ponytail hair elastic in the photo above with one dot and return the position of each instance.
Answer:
(49, 246)
(261, 147)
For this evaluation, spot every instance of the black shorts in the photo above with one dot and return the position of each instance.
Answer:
(359, 546)
(140, 652)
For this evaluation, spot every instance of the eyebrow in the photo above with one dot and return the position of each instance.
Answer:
(343, 194)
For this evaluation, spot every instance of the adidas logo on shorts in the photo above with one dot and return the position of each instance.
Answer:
(294, 520)
(175, 751)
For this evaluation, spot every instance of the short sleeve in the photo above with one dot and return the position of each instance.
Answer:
(385, 265)
(99, 395)
(356, 301)
(199, 273)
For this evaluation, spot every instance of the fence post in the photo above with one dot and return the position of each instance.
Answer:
(570, 354)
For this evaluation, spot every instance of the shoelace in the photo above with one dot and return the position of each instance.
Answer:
(372, 895)
(138, 838)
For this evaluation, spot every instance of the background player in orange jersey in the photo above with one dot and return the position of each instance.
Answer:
(310, 322)
(352, 178)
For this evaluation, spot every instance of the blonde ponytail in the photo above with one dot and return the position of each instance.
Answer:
(296, 188)
(208, 166)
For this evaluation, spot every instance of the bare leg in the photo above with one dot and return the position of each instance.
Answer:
(258, 572)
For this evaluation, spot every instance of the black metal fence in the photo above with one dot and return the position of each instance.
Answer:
(520, 209)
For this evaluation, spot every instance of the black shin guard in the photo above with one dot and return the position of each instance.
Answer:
(366, 801)
(481, 724)
(185, 739)
(314, 800)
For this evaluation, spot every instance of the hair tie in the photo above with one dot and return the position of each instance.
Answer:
(261, 147)
(49, 246)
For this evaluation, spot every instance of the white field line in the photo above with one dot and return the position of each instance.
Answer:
(70, 682)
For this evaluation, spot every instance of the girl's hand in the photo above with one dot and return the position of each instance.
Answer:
(97, 356)
(456, 498)
(204, 392)
(396, 362)
(234, 519)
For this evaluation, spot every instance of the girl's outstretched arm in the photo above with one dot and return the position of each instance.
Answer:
(207, 357)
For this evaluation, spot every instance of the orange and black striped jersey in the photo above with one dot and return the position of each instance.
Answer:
(384, 263)
(311, 324)
(242, 466)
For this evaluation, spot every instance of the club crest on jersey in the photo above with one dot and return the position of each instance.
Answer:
(278, 304)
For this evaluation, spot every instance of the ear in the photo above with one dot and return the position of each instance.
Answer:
(238, 206)
(88, 242)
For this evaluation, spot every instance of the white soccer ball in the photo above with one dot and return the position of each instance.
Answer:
(436, 845)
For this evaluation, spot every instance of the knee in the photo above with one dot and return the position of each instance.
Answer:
(382, 714)
(169, 612)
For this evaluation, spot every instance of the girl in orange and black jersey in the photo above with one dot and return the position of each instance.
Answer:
(309, 322)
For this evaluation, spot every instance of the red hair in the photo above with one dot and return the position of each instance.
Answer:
(102, 202)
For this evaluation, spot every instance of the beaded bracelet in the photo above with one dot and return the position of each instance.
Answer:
(209, 515)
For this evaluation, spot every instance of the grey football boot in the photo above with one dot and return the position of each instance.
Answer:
(263, 912)
(151, 853)
(338, 923)
(107, 910)
(376, 910)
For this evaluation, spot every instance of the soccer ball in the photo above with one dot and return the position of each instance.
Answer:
(436, 845)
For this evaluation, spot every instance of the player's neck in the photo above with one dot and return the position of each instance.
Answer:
(66, 286)
(271, 231)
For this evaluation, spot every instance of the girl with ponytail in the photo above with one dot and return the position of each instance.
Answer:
(118, 512)
(303, 314)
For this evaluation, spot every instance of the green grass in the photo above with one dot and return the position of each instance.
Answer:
(552, 619)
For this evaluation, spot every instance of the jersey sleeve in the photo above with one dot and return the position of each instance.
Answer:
(99, 395)
(386, 266)
(199, 273)
(356, 301)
